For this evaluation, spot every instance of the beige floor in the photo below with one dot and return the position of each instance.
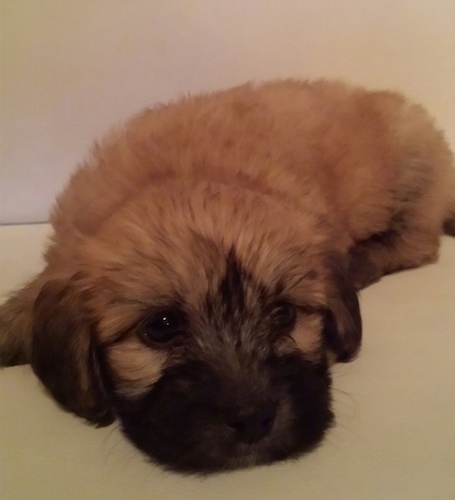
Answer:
(395, 405)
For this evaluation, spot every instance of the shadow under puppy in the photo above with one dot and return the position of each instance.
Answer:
(203, 270)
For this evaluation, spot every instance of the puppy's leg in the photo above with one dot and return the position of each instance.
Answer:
(422, 203)
(411, 241)
(424, 209)
(392, 251)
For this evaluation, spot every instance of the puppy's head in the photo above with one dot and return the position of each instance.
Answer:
(203, 319)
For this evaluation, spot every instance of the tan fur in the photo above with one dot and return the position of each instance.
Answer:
(307, 335)
(291, 174)
(137, 368)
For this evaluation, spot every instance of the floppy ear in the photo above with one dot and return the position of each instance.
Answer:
(16, 320)
(63, 352)
(342, 320)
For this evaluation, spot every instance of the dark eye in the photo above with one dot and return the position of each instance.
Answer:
(162, 327)
(283, 316)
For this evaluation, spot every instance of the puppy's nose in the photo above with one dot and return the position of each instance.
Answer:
(255, 426)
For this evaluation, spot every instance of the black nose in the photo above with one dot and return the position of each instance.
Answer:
(253, 427)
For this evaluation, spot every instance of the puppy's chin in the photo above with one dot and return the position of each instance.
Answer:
(185, 421)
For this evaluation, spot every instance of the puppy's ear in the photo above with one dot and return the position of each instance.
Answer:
(16, 320)
(63, 352)
(342, 320)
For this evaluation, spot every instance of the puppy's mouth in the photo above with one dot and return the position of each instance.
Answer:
(190, 423)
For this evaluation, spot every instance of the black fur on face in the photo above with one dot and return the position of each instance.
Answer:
(230, 396)
(187, 421)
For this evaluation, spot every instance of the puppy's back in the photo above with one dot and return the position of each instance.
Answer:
(316, 143)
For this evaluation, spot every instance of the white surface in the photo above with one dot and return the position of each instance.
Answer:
(395, 406)
(72, 69)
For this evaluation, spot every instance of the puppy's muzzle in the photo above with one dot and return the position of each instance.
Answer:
(251, 427)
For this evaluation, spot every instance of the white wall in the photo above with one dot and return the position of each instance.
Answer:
(70, 69)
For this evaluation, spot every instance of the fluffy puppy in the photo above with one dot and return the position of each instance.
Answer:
(203, 270)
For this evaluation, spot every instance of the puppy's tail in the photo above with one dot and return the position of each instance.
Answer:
(449, 224)
(449, 188)
(16, 323)
(449, 221)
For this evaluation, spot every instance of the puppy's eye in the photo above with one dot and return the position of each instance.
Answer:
(162, 327)
(283, 316)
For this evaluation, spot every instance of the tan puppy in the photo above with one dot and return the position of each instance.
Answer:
(205, 261)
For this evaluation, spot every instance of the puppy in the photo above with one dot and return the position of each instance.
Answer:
(203, 270)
